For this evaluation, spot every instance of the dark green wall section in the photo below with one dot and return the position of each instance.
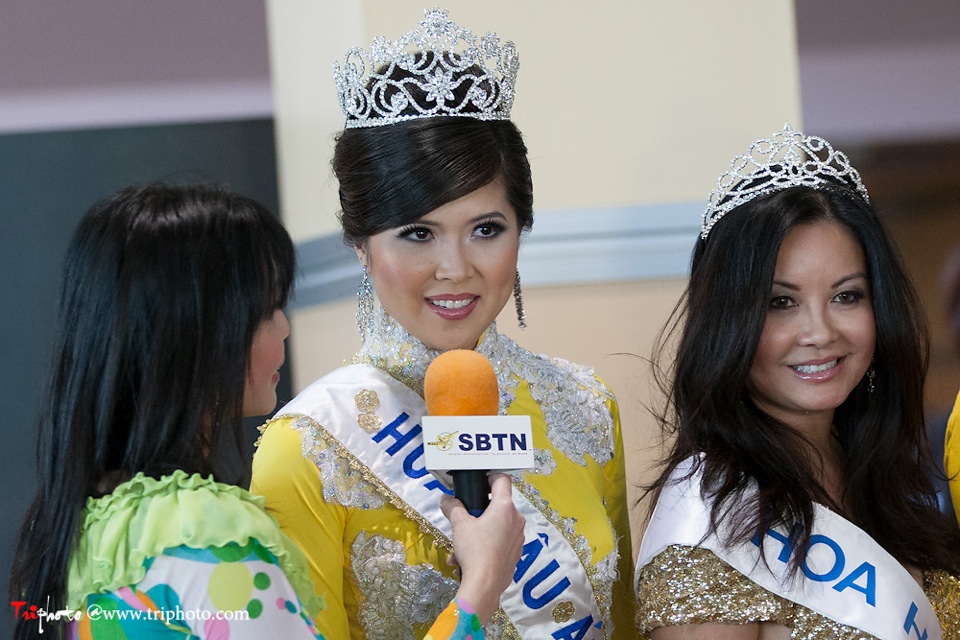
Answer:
(47, 181)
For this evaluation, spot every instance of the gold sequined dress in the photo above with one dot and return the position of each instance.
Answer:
(690, 585)
(381, 574)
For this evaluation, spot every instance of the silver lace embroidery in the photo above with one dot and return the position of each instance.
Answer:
(603, 575)
(340, 482)
(571, 398)
(496, 629)
(544, 462)
(394, 596)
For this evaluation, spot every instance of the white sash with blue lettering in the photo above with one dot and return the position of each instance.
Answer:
(549, 573)
(847, 576)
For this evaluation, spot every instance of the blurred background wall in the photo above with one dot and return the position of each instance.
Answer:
(630, 110)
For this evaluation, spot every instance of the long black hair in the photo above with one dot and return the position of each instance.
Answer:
(392, 175)
(162, 292)
(716, 328)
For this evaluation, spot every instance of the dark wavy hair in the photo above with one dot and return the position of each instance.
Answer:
(716, 328)
(392, 175)
(163, 289)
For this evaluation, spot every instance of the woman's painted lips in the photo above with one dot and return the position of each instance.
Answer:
(455, 307)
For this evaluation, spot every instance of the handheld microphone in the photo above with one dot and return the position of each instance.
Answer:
(464, 438)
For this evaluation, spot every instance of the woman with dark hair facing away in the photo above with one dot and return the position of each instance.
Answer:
(435, 189)
(171, 330)
(795, 501)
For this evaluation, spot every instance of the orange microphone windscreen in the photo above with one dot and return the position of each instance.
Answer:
(461, 382)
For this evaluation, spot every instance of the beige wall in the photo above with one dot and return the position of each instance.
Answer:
(306, 36)
(621, 103)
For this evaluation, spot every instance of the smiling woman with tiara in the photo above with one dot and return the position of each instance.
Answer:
(795, 502)
(435, 189)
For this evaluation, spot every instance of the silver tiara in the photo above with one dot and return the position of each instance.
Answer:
(432, 60)
(787, 159)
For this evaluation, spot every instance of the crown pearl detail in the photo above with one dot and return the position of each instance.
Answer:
(421, 75)
(787, 159)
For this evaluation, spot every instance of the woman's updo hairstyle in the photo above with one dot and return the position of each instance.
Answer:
(394, 174)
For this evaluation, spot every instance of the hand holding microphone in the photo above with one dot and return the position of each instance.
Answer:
(486, 548)
(464, 438)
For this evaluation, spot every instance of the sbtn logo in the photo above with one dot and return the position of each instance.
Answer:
(444, 441)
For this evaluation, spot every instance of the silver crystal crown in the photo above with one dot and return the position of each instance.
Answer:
(787, 159)
(415, 76)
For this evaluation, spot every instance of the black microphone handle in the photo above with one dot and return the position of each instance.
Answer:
(472, 488)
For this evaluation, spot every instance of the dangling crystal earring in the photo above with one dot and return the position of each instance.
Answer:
(871, 374)
(364, 305)
(518, 299)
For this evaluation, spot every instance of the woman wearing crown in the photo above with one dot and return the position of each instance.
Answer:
(794, 502)
(436, 192)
